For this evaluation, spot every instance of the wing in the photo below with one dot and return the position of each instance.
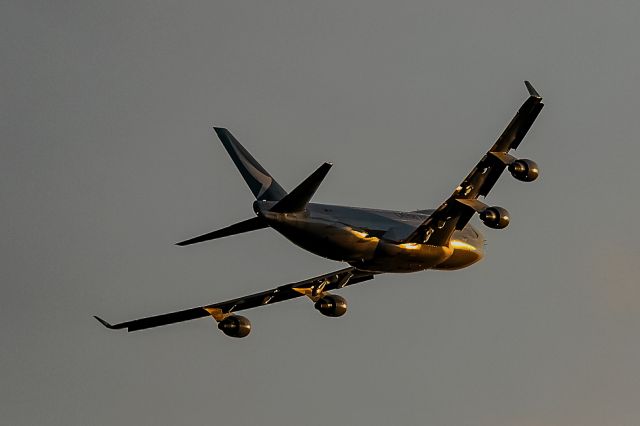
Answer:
(458, 209)
(313, 286)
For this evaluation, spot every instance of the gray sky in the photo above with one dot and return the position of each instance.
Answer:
(108, 158)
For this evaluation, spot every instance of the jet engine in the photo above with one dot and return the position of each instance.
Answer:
(495, 217)
(235, 326)
(524, 170)
(332, 305)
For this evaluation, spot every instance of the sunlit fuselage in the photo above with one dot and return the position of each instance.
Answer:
(371, 239)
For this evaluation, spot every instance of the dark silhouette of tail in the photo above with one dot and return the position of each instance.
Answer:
(298, 199)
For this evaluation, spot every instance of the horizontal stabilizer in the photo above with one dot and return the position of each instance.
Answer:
(298, 199)
(237, 228)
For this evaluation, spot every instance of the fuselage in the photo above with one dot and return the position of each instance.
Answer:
(371, 239)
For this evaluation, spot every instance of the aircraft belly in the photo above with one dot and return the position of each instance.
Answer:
(341, 242)
(390, 257)
(325, 239)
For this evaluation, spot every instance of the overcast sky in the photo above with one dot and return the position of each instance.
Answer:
(107, 157)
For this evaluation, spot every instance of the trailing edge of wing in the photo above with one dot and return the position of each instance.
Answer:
(237, 228)
(298, 199)
(326, 282)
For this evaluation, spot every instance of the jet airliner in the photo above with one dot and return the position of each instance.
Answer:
(370, 241)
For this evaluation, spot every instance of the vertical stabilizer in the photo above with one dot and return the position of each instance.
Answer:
(261, 183)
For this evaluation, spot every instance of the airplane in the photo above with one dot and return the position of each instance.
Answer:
(370, 241)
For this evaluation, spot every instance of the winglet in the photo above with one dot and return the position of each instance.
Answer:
(532, 91)
(106, 324)
(298, 199)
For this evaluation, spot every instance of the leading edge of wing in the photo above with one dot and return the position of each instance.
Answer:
(331, 281)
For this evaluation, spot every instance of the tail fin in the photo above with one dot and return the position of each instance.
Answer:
(298, 199)
(263, 186)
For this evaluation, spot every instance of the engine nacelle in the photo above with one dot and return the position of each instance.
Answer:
(235, 326)
(495, 217)
(332, 305)
(524, 170)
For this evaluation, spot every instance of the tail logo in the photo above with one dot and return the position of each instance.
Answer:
(261, 178)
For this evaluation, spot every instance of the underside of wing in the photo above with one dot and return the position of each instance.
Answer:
(315, 288)
(458, 209)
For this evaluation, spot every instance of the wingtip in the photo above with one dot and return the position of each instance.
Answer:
(323, 170)
(532, 91)
(103, 322)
